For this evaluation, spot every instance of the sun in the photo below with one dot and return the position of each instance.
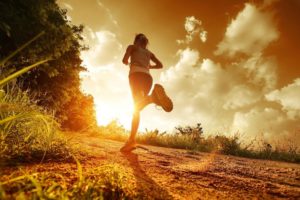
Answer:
(107, 112)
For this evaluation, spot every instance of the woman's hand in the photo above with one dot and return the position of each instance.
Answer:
(155, 66)
(158, 64)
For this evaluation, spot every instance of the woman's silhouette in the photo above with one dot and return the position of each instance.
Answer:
(140, 81)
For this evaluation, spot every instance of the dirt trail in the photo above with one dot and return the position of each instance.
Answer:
(165, 173)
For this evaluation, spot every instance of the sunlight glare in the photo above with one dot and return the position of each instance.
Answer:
(106, 113)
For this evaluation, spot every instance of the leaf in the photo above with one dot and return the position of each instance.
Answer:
(2, 93)
(20, 72)
(2, 62)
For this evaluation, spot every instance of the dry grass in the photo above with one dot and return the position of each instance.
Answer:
(109, 181)
(28, 133)
(192, 138)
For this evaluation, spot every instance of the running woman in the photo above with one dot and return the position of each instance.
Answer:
(140, 81)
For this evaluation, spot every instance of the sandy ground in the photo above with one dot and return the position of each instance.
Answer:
(179, 174)
(164, 173)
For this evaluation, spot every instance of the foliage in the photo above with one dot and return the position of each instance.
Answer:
(195, 133)
(56, 84)
(81, 113)
(113, 131)
(27, 132)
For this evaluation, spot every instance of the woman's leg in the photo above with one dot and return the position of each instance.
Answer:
(146, 100)
(134, 125)
(140, 87)
(139, 106)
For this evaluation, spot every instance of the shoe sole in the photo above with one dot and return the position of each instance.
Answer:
(165, 101)
(128, 148)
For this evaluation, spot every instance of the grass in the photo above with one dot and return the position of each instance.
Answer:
(192, 138)
(109, 181)
(27, 132)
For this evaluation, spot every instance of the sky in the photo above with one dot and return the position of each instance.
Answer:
(231, 65)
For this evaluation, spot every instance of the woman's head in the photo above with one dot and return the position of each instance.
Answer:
(141, 40)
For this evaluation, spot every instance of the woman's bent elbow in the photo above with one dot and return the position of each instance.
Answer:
(125, 62)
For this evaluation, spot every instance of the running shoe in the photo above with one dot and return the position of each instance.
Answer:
(160, 98)
(129, 146)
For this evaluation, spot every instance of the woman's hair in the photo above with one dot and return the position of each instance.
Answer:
(141, 39)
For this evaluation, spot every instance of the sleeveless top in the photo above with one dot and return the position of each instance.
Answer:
(140, 61)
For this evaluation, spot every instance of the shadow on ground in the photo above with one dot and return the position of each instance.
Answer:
(145, 184)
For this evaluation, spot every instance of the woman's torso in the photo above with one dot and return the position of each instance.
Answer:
(140, 60)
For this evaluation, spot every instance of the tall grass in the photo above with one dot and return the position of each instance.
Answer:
(192, 138)
(109, 181)
(27, 132)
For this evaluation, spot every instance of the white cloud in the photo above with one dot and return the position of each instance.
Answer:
(288, 96)
(261, 71)
(67, 6)
(274, 124)
(235, 97)
(108, 11)
(240, 96)
(104, 48)
(203, 91)
(193, 27)
(249, 33)
(228, 100)
(203, 36)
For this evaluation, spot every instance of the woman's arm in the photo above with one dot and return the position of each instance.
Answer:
(158, 64)
(127, 54)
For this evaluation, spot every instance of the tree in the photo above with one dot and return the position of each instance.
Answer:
(56, 84)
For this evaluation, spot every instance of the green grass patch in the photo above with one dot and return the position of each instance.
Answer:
(108, 181)
(27, 132)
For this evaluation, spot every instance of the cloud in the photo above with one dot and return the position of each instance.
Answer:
(206, 92)
(108, 11)
(236, 97)
(274, 124)
(249, 33)
(261, 71)
(240, 96)
(230, 99)
(67, 6)
(193, 27)
(104, 48)
(288, 96)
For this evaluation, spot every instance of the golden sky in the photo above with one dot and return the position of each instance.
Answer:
(231, 65)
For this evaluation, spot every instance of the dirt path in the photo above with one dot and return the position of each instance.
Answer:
(178, 174)
(164, 173)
